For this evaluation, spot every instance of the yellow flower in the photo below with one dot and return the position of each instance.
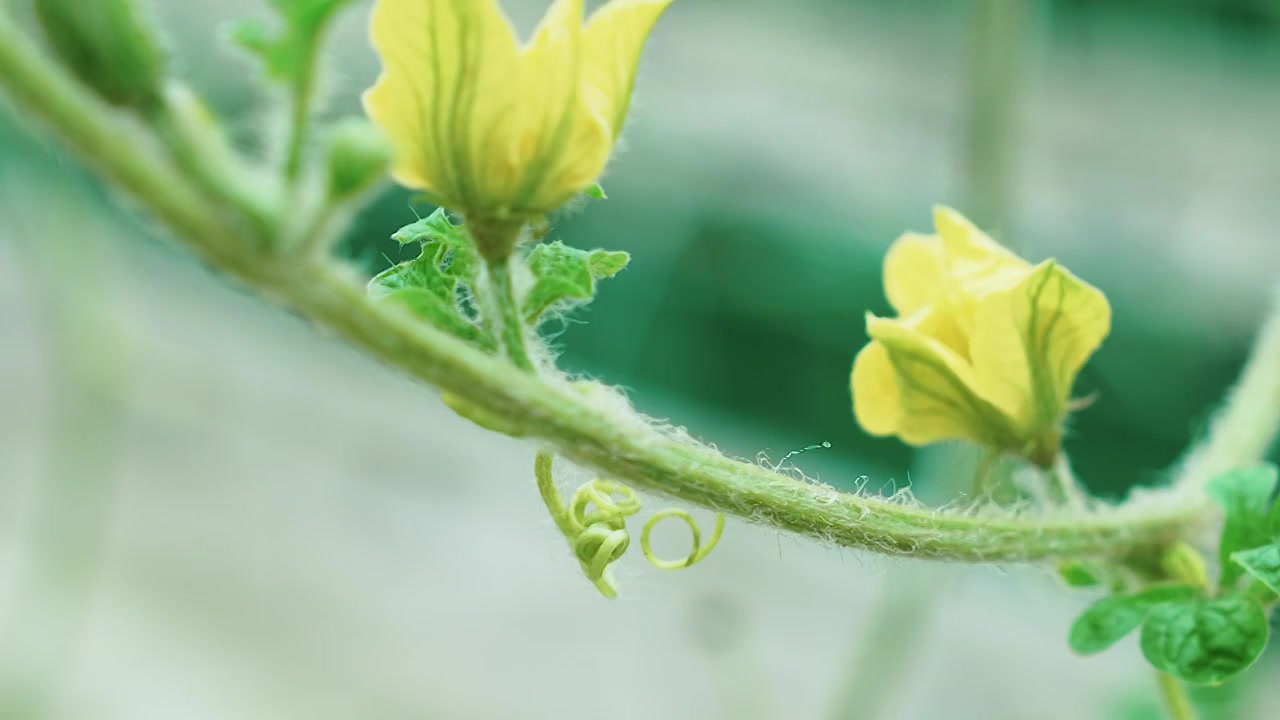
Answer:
(497, 130)
(985, 347)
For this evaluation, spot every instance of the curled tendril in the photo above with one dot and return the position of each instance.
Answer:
(696, 554)
(594, 523)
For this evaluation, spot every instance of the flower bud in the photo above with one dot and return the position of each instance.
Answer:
(108, 46)
(359, 156)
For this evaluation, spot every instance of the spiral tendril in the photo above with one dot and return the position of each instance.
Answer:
(696, 554)
(594, 524)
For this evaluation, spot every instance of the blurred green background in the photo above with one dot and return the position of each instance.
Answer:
(774, 151)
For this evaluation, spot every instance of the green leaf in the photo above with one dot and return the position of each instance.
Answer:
(1245, 496)
(420, 273)
(438, 312)
(595, 192)
(1262, 563)
(428, 284)
(288, 51)
(1205, 641)
(606, 264)
(447, 243)
(563, 274)
(1111, 618)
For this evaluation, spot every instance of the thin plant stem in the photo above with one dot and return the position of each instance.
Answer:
(1246, 427)
(300, 117)
(996, 68)
(201, 151)
(1177, 703)
(504, 311)
(1064, 483)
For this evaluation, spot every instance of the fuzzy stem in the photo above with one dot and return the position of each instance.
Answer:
(1247, 425)
(199, 148)
(1177, 703)
(601, 435)
(505, 320)
(1065, 485)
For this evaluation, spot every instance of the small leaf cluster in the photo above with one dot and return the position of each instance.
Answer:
(1198, 634)
(564, 276)
(440, 284)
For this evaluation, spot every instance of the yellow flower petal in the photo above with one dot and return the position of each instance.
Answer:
(913, 272)
(557, 143)
(615, 36)
(447, 69)
(935, 399)
(1030, 341)
(915, 279)
(876, 403)
(976, 264)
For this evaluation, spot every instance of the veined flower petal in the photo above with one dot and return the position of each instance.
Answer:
(556, 145)
(615, 35)
(909, 384)
(1031, 340)
(495, 131)
(447, 66)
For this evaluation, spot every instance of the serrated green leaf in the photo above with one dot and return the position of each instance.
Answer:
(444, 242)
(1111, 618)
(420, 273)
(442, 314)
(428, 284)
(605, 264)
(1262, 563)
(287, 51)
(1245, 496)
(1205, 641)
(566, 274)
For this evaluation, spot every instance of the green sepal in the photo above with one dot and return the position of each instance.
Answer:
(1078, 574)
(595, 192)
(429, 284)
(287, 51)
(1245, 497)
(564, 274)
(1111, 618)
(1263, 563)
(1205, 641)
